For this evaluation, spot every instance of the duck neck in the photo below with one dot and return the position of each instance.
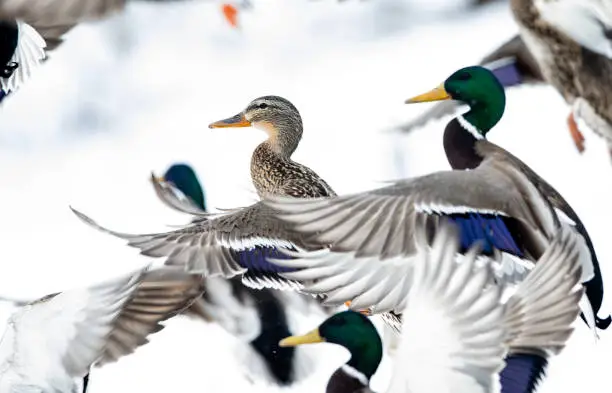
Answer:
(364, 361)
(285, 135)
(463, 132)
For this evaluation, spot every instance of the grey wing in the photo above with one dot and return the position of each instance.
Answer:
(175, 199)
(512, 63)
(381, 222)
(227, 245)
(53, 18)
(162, 294)
(540, 313)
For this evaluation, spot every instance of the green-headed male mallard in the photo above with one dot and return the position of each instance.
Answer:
(490, 194)
(571, 43)
(51, 344)
(355, 332)
(259, 316)
(458, 335)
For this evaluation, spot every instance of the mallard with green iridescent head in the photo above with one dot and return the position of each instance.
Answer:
(355, 332)
(490, 194)
(458, 335)
(567, 44)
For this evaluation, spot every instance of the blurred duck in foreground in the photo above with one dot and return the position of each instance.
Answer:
(458, 335)
(567, 44)
(28, 28)
(51, 344)
(490, 194)
(260, 317)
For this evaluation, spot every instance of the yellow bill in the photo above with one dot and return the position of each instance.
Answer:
(235, 121)
(437, 94)
(311, 337)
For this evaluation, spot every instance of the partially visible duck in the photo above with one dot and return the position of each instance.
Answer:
(567, 44)
(51, 344)
(259, 316)
(458, 335)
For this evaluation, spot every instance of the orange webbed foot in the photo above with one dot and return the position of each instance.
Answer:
(577, 136)
(231, 14)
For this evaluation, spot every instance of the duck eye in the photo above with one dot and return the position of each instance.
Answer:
(464, 77)
(263, 105)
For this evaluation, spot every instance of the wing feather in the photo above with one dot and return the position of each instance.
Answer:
(448, 343)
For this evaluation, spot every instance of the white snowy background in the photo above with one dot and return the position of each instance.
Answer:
(136, 92)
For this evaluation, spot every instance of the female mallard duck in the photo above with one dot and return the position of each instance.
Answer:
(50, 345)
(458, 334)
(571, 44)
(493, 196)
(259, 316)
(238, 242)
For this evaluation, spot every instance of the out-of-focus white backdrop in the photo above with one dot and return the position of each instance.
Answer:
(136, 92)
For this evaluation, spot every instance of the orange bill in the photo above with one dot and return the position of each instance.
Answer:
(231, 122)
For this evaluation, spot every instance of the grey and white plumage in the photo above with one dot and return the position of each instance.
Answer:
(372, 235)
(49, 345)
(458, 334)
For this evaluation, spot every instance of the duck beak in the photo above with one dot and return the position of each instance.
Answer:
(311, 337)
(235, 121)
(437, 94)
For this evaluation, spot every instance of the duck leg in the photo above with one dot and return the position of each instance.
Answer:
(577, 136)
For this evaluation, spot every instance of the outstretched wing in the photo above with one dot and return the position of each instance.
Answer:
(68, 332)
(238, 242)
(540, 314)
(371, 235)
(162, 294)
(452, 338)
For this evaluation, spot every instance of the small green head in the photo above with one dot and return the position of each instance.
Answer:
(476, 86)
(353, 331)
(183, 177)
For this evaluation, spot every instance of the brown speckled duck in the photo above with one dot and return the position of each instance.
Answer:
(239, 241)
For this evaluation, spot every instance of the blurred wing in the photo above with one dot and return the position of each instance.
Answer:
(28, 55)
(452, 338)
(162, 294)
(512, 64)
(53, 18)
(588, 22)
(175, 199)
(69, 331)
(539, 316)
(239, 242)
